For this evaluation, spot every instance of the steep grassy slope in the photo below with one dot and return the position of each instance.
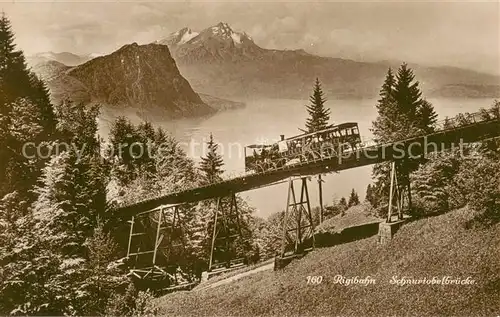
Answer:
(438, 246)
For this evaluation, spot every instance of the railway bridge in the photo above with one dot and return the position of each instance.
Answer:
(298, 226)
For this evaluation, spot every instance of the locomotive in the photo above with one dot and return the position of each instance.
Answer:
(302, 148)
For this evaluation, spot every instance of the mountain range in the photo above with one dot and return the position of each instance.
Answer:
(136, 78)
(189, 73)
(222, 62)
(66, 58)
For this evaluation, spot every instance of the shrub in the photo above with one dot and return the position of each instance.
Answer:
(144, 305)
(132, 303)
(432, 182)
(479, 182)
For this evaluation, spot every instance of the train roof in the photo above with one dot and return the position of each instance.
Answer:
(258, 146)
(332, 128)
(339, 126)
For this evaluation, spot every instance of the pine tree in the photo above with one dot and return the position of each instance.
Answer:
(319, 115)
(212, 163)
(353, 199)
(40, 96)
(387, 120)
(76, 124)
(407, 94)
(103, 277)
(15, 77)
(71, 197)
(401, 113)
(371, 195)
(121, 136)
(426, 117)
(343, 202)
(25, 114)
(163, 168)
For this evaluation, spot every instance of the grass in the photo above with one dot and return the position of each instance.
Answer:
(354, 216)
(234, 272)
(437, 246)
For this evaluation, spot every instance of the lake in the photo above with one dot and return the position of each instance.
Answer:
(264, 121)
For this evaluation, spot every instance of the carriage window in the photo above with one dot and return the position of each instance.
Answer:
(348, 131)
(354, 131)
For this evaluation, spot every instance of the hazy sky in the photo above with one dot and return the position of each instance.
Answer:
(452, 33)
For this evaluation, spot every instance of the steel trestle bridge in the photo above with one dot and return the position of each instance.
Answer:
(298, 225)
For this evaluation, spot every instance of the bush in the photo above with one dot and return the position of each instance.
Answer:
(479, 182)
(132, 303)
(122, 304)
(448, 181)
(432, 182)
(144, 305)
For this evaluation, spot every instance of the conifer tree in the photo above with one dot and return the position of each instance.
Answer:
(319, 115)
(102, 278)
(40, 96)
(343, 202)
(121, 137)
(407, 94)
(387, 120)
(15, 77)
(25, 114)
(353, 199)
(71, 198)
(211, 164)
(371, 195)
(426, 117)
(401, 113)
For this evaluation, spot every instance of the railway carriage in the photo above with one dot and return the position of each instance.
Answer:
(302, 148)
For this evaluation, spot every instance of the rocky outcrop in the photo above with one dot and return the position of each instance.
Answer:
(141, 77)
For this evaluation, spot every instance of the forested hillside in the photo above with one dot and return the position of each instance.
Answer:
(454, 234)
(62, 245)
(63, 241)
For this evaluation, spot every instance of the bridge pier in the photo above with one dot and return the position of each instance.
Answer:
(298, 226)
(397, 193)
(320, 190)
(226, 231)
(387, 230)
(144, 244)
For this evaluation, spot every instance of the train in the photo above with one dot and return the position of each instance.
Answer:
(302, 148)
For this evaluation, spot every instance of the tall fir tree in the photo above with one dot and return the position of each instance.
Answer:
(319, 115)
(353, 199)
(401, 113)
(211, 164)
(343, 202)
(407, 94)
(15, 77)
(387, 120)
(426, 117)
(26, 114)
(371, 196)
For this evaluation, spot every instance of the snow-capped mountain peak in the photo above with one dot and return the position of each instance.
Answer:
(185, 35)
(222, 29)
(217, 42)
(180, 37)
(224, 32)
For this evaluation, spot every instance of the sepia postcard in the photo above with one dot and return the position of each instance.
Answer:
(231, 158)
